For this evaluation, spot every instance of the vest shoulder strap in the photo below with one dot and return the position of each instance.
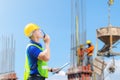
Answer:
(30, 44)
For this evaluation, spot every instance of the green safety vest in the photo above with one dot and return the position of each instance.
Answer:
(41, 65)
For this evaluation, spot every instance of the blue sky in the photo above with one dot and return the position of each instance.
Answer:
(54, 17)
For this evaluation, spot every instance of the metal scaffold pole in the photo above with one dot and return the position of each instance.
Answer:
(7, 58)
(78, 36)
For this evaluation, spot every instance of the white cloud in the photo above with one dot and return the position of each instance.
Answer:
(116, 74)
(61, 73)
(57, 77)
(60, 76)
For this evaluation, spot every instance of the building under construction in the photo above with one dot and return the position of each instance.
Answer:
(78, 36)
(7, 58)
(109, 35)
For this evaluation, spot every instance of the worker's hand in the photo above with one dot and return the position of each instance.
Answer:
(85, 50)
(47, 39)
(56, 70)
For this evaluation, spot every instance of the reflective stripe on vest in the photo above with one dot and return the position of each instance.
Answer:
(42, 65)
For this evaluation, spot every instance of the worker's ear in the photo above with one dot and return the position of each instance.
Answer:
(30, 37)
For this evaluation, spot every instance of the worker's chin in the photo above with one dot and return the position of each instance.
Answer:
(40, 36)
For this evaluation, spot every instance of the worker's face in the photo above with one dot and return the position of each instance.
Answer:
(89, 45)
(38, 33)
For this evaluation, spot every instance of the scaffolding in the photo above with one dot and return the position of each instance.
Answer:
(7, 58)
(78, 36)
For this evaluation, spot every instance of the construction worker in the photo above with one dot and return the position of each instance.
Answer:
(89, 57)
(80, 53)
(36, 57)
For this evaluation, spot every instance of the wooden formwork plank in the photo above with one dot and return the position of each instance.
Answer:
(99, 65)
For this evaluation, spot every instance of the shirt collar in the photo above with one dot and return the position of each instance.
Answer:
(33, 42)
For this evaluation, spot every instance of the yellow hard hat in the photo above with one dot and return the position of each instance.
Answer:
(29, 28)
(88, 42)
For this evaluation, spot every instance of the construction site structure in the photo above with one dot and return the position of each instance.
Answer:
(7, 58)
(77, 71)
(110, 37)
